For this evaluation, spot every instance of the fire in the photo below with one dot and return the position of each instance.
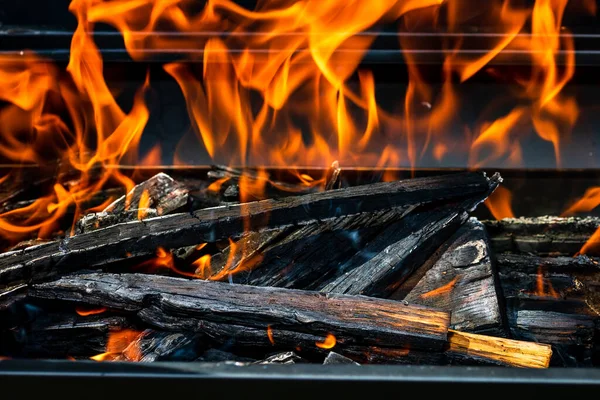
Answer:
(143, 205)
(589, 201)
(202, 265)
(328, 343)
(442, 290)
(499, 203)
(284, 85)
(84, 312)
(121, 343)
(542, 284)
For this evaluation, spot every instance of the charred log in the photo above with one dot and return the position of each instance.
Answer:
(373, 321)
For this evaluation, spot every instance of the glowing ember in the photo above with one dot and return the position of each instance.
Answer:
(442, 290)
(328, 343)
(270, 335)
(84, 312)
(121, 343)
(143, 205)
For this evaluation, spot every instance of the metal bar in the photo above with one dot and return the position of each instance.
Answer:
(277, 381)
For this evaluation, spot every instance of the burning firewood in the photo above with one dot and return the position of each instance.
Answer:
(298, 319)
(159, 195)
(372, 321)
(142, 238)
(459, 278)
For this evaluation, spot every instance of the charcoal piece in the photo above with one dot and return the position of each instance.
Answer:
(156, 196)
(166, 346)
(373, 321)
(288, 357)
(335, 358)
(542, 235)
(142, 238)
(459, 279)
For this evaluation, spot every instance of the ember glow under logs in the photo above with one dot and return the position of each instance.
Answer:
(248, 183)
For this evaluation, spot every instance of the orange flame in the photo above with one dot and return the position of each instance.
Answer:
(263, 70)
(442, 290)
(121, 343)
(84, 312)
(143, 205)
(589, 201)
(592, 245)
(270, 335)
(328, 343)
(541, 283)
(499, 203)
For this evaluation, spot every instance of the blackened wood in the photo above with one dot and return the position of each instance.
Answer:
(553, 327)
(162, 194)
(554, 300)
(460, 280)
(59, 335)
(542, 235)
(383, 265)
(562, 284)
(460, 348)
(372, 321)
(310, 255)
(142, 238)
(154, 345)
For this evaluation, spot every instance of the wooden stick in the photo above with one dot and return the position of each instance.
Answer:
(142, 238)
(351, 319)
(459, 279)
(507, 352)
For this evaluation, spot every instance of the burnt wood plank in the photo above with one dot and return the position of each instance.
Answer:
(459, 278)
(304, 258)
(371, 321)
(389, 259)
(546, 235)
(142, 238)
